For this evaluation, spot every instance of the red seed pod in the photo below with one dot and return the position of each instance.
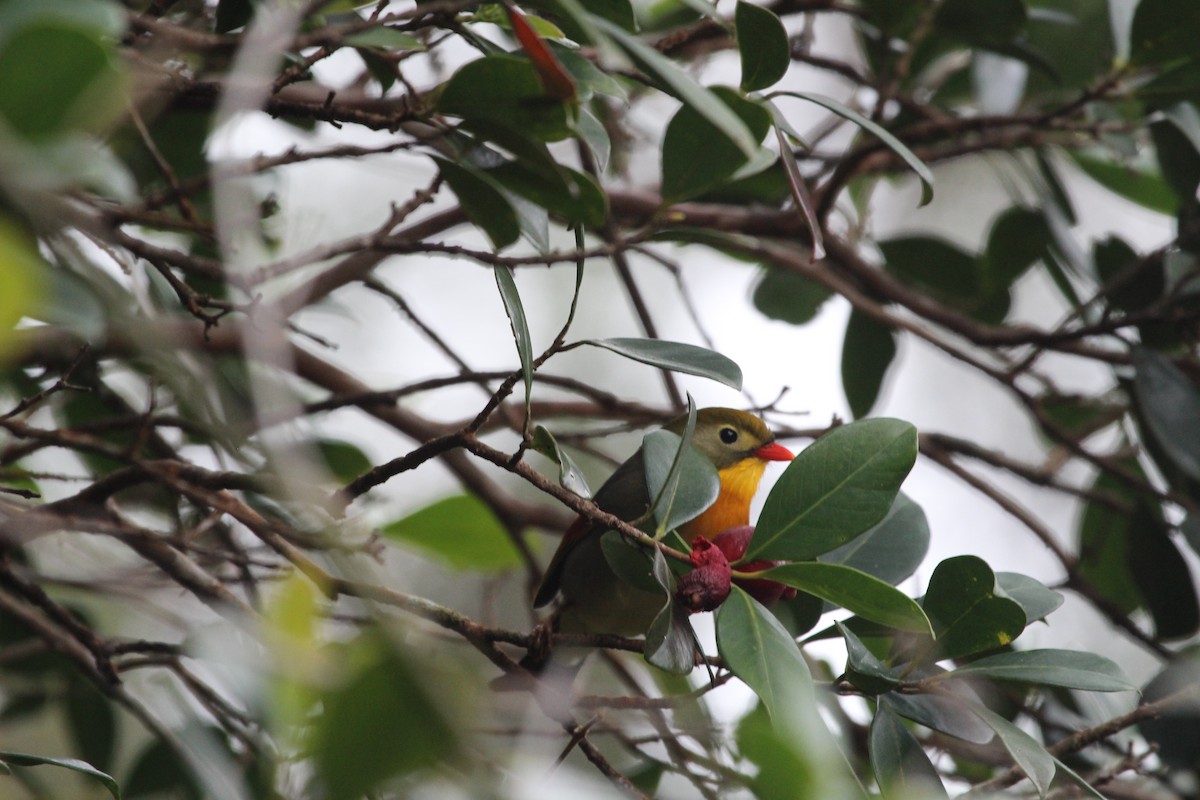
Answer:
(704, 588)
(734, 543)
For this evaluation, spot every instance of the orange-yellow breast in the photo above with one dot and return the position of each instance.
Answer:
(732, 507)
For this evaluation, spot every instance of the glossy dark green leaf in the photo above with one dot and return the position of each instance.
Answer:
(947, 711)
(986, 23)
(673, 80)
(1128, 291)
(1162, 575)
(630, 562)
(1176, 140)
(675, 356)
(855, 591)
(1056, 192)
(565, 193)
(1162, 31)
(797, 186)
(569, 474)
(344, 460)
(1169, 403)
(863, 669)
(967, 614)
(784, 771)
(1176, 732)
(158, 771)
(696, 156)
(385, 38)
(1035, 599)
(1104, 545)
(836, 488)
(460, 531)
(670, 642)
(897, 146)
(757, 649)
(900, 765)
(1145, 188)
(930, 263)
(380, 722)
(73, 764)
(233, 14)
(789, 296)
(483, 202)
(868, 348)
(93, 725)
(891, 550)
(683, 493)
(1071, 669)
(1017, 240)
(78, 88)
(515, 310)
(1030, 756)
(762, 44)
(505, 90)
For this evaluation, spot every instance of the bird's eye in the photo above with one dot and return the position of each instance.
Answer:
(729, 435)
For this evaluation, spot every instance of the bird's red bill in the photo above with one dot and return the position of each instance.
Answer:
(774, 452)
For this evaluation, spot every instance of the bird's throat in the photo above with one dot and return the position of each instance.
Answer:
(732, 507)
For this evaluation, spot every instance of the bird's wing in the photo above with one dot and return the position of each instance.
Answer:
(623, 495)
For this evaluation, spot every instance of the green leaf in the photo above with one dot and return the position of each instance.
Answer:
(1145, 188)
(697, 156)
(505, 90)
(631, 562)
(757, 649)
(1174, 732)
(1070, 669)
(967, 615)
(1170, 405)
(675, 356)
(520, 326)
(459, 530)
(233, 14)
(897, 146)
(984, 23)
(1035, 600)
(569, 474)
(899, 762)
(891, 550)
(855, 591)
(948, 711)
(79, 88)
(344, 460)
(762, 44)
(1162, 32)
(18, 279)
(836, 488)
(157, 771)
(1128, 292)
(946, 270)
(1105, 545)
(681, 492)
(1018, 239)
(93, 725)
(565, 193)
(674, 81)
(73, 764)
(483, 201)
(380, 722)
(1162, 576)
(789, 296)
(1031, 757)
(385, 38)
(670, 641)
(868, 348)
(863, 669)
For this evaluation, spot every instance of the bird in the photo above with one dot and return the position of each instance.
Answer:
(593, 598)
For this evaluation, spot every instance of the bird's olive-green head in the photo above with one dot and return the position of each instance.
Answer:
(725, 435)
